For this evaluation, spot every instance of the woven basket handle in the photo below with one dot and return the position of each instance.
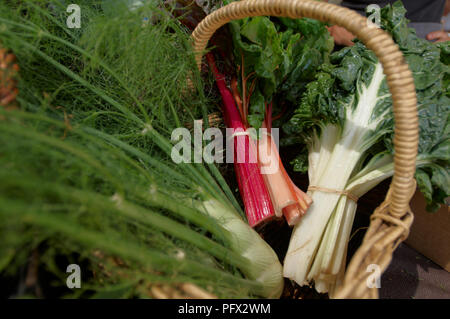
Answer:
(399, 77)
(391, 220)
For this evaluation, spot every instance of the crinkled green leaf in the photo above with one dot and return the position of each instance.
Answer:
(338, 84)
(424, 184)
(257, 110)
(440, 178)
(281, 54)
(300, 163)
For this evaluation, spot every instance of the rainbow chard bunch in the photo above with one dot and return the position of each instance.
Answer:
(274, 59)
(346, 119)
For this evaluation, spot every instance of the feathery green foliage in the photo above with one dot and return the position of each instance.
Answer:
(85, 168)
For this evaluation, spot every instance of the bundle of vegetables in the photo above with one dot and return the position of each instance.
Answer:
(345, 117)
(85, 169)
(257, 203)
(273, 59)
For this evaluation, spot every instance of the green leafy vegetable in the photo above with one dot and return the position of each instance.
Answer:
(346, 118)
(279, 58)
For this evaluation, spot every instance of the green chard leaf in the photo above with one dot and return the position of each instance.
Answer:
(280, 56)
(257, 110)
(339, 85)
(424, 184)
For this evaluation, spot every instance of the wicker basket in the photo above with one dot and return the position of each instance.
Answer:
(391, 221)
